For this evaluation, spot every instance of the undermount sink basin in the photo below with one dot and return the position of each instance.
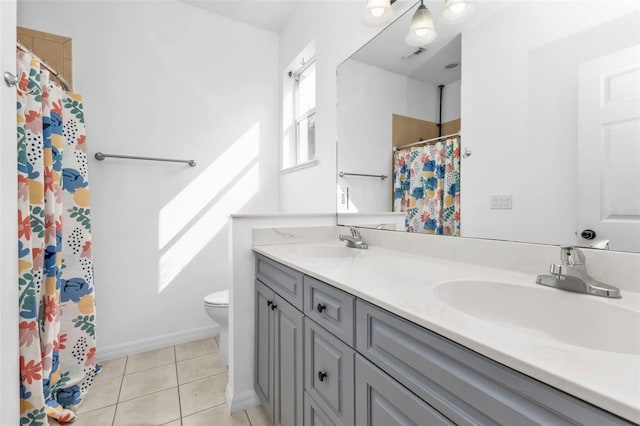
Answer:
(326, 251)
(571, 318)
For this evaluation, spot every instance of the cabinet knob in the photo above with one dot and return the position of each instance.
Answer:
(322, 375)
(269, 302)
(321, 307)
(273, 306)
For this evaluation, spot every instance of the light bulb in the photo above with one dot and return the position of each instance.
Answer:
(377, 11)
(457, 11)
(422, 30)
(458, 7)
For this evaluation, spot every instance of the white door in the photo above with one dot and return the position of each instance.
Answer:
(609, 149)
(9, 395)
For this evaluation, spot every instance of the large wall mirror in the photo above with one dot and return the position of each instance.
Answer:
(542, 104)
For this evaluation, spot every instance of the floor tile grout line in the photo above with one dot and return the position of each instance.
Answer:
(175, 357)
(146, 394)
(202, 378)
(161, 390)
(205, 409)
(115, 412)
(149, 368)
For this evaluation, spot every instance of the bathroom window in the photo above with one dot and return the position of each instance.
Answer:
(299, 112)
(305, 105)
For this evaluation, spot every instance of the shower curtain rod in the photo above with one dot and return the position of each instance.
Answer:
(55, 73)
(426, 142)
(100, 156)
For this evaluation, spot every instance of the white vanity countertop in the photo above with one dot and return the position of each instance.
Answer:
(404, 284)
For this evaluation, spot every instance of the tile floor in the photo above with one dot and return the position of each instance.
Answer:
(181, 385)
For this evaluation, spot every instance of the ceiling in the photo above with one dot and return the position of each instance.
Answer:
(270, 15)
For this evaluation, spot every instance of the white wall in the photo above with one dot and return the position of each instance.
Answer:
(169, 80)
(519, 113)
(338, 31)
(9, 378)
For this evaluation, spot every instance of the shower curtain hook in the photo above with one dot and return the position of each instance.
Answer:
(12, 81)
(9, 79)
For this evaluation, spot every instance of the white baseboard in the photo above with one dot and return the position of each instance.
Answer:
(124, 349)
(244, 401)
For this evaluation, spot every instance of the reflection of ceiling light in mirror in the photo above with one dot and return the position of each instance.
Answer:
(377, 13)
(457, 11)
(422, 30)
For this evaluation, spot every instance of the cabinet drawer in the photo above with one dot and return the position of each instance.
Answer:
(313, 414)
(382, 401)
(283, 280)
(463, 385)
(329, 373)
(331, 308)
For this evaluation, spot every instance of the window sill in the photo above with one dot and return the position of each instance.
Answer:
(300, 166)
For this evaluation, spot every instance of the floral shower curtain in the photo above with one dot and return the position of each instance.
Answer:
(56, 305)
(427, 187)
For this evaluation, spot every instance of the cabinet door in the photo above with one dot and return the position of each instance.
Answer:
(313, 413)
(329, 373)
(330, 307)
(288, 368)
(285, 281)
(381, 401)
(264, 338)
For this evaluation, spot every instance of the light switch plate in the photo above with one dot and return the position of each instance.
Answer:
(500, 202)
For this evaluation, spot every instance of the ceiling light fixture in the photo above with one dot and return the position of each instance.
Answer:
(457, 11)
(422, 30)
(377, 13)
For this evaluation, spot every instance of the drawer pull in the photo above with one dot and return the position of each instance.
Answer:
(322, 375)
(321, 307)
(273, 306)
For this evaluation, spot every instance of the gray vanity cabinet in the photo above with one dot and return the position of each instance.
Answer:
(264, 346)
(279, 357)
(382, 401)
(329, 374)
(333, 309)
(285, 281)
(325, 357)
(466, 387)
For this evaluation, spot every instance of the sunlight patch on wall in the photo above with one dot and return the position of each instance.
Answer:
(197, 236)
(185, 206)
(196, 215)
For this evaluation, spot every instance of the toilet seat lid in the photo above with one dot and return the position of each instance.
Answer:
(219, 298)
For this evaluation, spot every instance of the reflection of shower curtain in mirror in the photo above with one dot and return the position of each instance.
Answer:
(56, 304)
(427, 187)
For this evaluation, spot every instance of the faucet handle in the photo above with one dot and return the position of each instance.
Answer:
(354, 232)
(558, 270)
(571, 256)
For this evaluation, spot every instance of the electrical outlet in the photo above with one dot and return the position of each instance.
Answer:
(500, 202)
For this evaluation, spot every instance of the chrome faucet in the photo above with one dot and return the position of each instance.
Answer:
(354, 240)
(572, 275)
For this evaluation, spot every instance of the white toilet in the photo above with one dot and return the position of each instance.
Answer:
(217, 307)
